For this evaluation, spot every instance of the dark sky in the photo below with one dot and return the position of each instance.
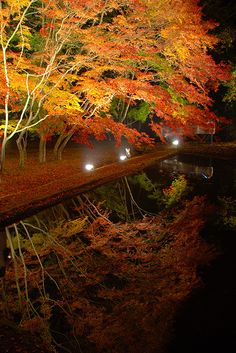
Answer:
(224, 12)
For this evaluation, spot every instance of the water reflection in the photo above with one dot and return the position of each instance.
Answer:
(71, 263)
(176, 166)
(207, 176)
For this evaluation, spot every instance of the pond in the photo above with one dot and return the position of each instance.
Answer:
(143, 264)
(205, 176)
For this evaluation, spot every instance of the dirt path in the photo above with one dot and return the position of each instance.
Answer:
(19, 204)
(24, 192)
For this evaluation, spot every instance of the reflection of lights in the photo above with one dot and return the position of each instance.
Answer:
(123, 157)
(175, 142)
(208, 172)
(89, 166)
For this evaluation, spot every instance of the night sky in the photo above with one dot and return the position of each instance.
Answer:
(224, 13)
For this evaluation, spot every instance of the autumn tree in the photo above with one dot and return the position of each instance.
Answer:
(41, 63)
(79, 56)
(155, 54)
(172, 69)
(164, 68)
(39, 60)
(32, 80)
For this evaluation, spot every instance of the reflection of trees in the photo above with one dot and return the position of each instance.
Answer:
(131, 197)
(88, 284)
(121, 197)
(153, 190)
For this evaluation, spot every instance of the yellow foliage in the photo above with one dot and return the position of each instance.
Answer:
(16, 5)
(18, 82)
(38, 239)
(25, 35)
(4, 15)
(71, 227)
(11, 126)
(62, 102)
(121, 20)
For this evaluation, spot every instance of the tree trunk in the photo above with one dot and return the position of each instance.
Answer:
(42, 150)
(62, 142)
(57, 145)
(63, 145)
(21, 145)
(3, 154)
(125, 111)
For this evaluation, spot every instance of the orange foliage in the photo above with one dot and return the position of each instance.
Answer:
(92, 51)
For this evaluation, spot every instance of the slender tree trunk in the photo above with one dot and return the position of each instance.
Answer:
(63, 145)
(42, 150)
(62, 142)
(22, 145)
(57, 144)
(125, 111)
(122, 108)
(3, 154)
(21, 153)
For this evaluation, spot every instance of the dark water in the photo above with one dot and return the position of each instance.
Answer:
(208, 176)
(206, 322)
(205, 176)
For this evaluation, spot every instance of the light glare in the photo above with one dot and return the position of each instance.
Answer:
(175, 142)
(89, 166)
(122, 157)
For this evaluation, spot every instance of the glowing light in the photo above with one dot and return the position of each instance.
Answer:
(175, 142)
(127, 151)
(89, 166)
(123, 157)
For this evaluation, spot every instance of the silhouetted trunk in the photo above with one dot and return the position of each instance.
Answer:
(3, 154)
(63, 145)
(57, 144)
(42, 150)
(22, 145)
(62, 142)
